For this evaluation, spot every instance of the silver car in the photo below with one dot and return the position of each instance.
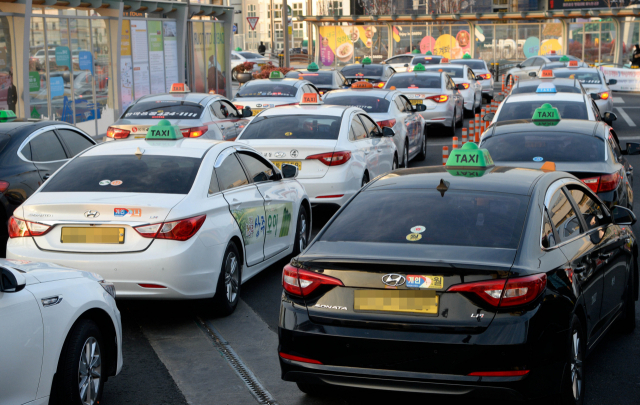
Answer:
(483, 75)
(466, 83)
(437, 91)
(594, 83)
(533, 64)
(267, 93)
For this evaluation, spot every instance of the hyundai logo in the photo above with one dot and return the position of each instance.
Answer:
(393, 280)
(279, 154)
(92, 214)
(294, 153)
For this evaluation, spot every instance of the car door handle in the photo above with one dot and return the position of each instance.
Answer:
(267, 198)
(235, 203)
(221, 126)
(580, 269)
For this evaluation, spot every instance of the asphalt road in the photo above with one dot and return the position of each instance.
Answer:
(613, 370)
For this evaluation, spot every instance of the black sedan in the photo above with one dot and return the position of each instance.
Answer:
(324, 80)
(30, 152)
(494, 283)
(587, 149)
(370, 72)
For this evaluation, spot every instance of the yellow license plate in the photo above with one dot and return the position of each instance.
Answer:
(410, 301)
(279, 163)
(255, 111)
(96, 235)
(139, 136)
(416, 102)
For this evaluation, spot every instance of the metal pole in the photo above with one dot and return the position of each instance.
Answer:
(117, 88)
(273, 28)
(285, 31)
(25, 59)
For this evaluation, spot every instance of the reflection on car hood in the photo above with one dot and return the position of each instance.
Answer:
(37, 272)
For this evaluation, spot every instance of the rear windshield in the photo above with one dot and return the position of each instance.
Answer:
(474, 65)
(414, 82)
(315, 78)
(270, 89)
(550, 146)
(293, 127)
(583, 77)
(524, 110)
(369, 104)
(426, 61)
(453, 72)
(559, 88)
(459, 218)
(359, 70)
(149, 174)
(161, 109)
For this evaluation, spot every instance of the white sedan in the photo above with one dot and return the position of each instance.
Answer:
(166, 219)
(337, 149)
(57, 322)
(466, 83)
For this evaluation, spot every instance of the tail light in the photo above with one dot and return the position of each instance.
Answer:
(4, 185)
(302, 282)
(465, 85)
(19, 228)
(298, 358)
(180, 230)
(604, 95)
(439, 99)
(380, 85)
(332, 158)
(505, 293)
(387, 123)
(511, 373)
(601, 184)
(117, 133)
(592, 183)
(485, 76)
(239, 107)
(195, 132)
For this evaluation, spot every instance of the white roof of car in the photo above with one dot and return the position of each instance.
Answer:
(319, 109)
(546, 97)
(182, 147)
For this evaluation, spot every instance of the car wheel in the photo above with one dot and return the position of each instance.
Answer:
(302, 231)
(365, 179)
(228, 289)
(478, 109)
(405, 156)
(79, 379)
(452, 129)
(573, 383)
(628, 322)
(469, 113)
(394, 165)
(423, 150)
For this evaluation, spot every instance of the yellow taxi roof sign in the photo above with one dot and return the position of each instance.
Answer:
(310, 98)
(361, 85)
(179, 88)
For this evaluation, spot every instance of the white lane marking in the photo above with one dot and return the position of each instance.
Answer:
(626, 117)
(618, 100)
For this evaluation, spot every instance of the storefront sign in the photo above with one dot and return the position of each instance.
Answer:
(63, 56)
(574, 4)
(627, 79)
(34, 81)
(56, 87)
(85, 60)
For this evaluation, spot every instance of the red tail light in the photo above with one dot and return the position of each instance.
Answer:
(180, 230)
(485, 76)
(512, 373)
(151, 286)
(302, 282)
(380, 85)
(298, 358)
(439, 99)
(505, 293)
(387, 123)
(117, 133)
(194, 132)
(332, 158)
(4, 185)
(465, 85)
(19, 228)
(592, 183)
(600, 184)
(604, 95)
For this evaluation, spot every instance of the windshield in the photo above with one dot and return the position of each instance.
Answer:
(583, 77)
(458, 218)
(427, 60)
(148, 174)
(453, 72)
(560, 88)
(414, 81)
(368, 103)
(362, 70)
(473, 64)
(324, 78)
(267, 89)
(523, 110)
(293, 127)
(161, 109)
(550, 146)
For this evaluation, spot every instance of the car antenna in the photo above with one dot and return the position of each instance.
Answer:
(443, 187)
(139, 152)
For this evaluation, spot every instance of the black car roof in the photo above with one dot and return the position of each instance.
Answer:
(581, 127)
(499, 179)
(13, 126)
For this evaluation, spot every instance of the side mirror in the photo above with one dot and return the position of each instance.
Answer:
(289, 171)
(609, 117)
(533, 74)
(633, 148)
(623, 216)
(612, 81)
(488, 117)
(11, 280)
(595, 96)
(460, 86)
(386, 131)
(246, 112)
(406, 65)
(419, 107)
(499, 98)
(519, 66)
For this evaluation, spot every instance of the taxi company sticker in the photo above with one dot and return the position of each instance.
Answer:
(288, 133)
(105, 182)
(418, 229)
(127, 212)
(416, 281)
(414, 237)
(116, 182)
(249, 227)
(538, 159)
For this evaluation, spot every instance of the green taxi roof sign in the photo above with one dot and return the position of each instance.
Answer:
(466, 56)
(564, 58)
(163, 130)
(238, 49)
(469, 157)
(428, 53)
(313, 67)
(366, 61)
(419, 68)
(546, 115)
(276, 75)
(6, 115)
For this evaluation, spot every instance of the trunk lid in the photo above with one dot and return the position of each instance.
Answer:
(123, 211)
(578, 169)
(422, 94)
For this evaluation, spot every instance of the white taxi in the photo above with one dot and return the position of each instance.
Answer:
(337, 149)
(166, 217)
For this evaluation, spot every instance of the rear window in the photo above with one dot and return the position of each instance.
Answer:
(149, 174)
(550, 146)
(360, 70)
(369, 104)
(161, 109)
(293, 127)
(414, 82)
(559, 88)
(474, 65)
(316, 78)
(459, 218)
(583, 77)
(267, 89)
(426, 61)
(453, 72)
(524, 110)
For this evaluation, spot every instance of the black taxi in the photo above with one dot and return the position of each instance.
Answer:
(491, 281)
(325, 80)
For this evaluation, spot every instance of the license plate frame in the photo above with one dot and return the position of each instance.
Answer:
(391, 301)
(296, 163)
(92, 235)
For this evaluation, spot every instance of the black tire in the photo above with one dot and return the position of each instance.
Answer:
(314, 390)
(70, 377)
(227, 294)
(302, 231)
(405, 156)
(394, 165)
(575, 368)
(470, 113)
(478, 109)
(422, 155)
(452, 129)
(628, 321)
(365, 179)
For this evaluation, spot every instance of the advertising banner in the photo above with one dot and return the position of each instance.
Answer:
(156, 57)
(63, 56)
(627, 79)
(140, 54)
(126, 66)
(170, 54)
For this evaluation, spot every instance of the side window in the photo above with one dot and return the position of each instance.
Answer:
(357, 131)
(399, 104)
(528, 62)
(548, 237)
(470, 75)
(407, 104)
(452, 84)
(589, 208)
(405, 59)
(74, 141)
(258, 170)
(538, 62)
(233, 111)
(614, 146)
(370, 126)
(563, 217)
(341, 79)
(447, 83)
(46, 147)
(230, 174)
(26, 151)
(220, 111)
(213, 184)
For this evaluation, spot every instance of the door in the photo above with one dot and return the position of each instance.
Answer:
(278, 203)
(222, 117)
(21, 350)
(362, 147)
(245, 203)
(74, 142)
(381, 157)
(476, 85)
(47, 153)
(414, 128)
(529, 65)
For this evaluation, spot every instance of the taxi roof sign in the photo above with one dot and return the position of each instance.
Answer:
(238, 49)
(428, 53)
(573, 63)
(179, 88)
(366, 61)
(415, 51)
(163, 130)
(444, 60)
(6, 115)
(361, 85)
(552, 52)
(546, 116)
(419, 68)
(546, 88)
(564, 58)
(310, 98)
(276, 74)
(466, 56)
(547, 74)
(469, 156)
(313, 67)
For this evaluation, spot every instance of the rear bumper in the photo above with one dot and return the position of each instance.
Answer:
(342, 182)
(438, 116)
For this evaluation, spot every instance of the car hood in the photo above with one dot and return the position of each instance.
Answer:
(38, 272)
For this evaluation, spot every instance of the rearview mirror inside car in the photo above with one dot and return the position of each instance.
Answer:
(246, 112)
(612, 81)
(419, 107)
(289, 171)
(533, 74)
(386, 131)
(489, 117)
(623, 216)
(633, 148)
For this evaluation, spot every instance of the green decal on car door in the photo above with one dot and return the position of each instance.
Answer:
(278, 220)
(251, 222)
